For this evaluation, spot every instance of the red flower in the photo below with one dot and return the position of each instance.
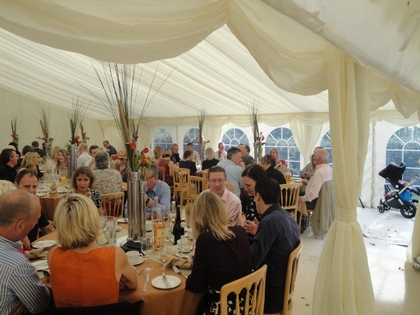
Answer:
(132, 145)
(145, 150)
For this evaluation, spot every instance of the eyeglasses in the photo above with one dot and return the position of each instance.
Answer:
(217, 181)
(147, 178)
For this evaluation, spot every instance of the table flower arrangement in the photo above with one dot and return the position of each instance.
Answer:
(14, 134)
(258, 136)
(45, 132)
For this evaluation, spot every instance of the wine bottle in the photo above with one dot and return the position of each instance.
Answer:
(158, 228)
(178, 230)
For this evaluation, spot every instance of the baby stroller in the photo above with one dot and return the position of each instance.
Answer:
(398, 193)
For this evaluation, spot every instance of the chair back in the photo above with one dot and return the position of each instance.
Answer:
(289, 197)
(205, 175)
(249, 293)
(177, 180)
(231, 187)
(113, 204)
(163, 170)
(5, 186)
(182, 189)
(324, 212)
(197, 186)
(289, 287)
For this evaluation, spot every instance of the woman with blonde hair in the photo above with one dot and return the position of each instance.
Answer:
(210, 159)
(104, 270)
(61, 165)
(280, 164)
(222, 252)
(31, 161)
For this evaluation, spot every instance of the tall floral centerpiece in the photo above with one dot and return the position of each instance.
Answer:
(14, 134)
(47, 140)
(121, 87)
(257, 135)
(85, 138)
(200, 139)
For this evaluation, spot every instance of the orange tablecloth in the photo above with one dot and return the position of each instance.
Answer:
(48, 205)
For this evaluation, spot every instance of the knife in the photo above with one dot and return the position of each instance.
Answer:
(146, 279)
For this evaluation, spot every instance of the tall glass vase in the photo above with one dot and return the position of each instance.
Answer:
(136, 204)
(72, 161)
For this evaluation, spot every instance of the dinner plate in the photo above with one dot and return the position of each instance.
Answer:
(138, 262)
(175, 249)
(40, 265)
(159, 283)
(122, 220)
(41, 194)
(42, 244)
(62, 190)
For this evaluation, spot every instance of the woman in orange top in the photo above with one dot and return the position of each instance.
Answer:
(83, 273)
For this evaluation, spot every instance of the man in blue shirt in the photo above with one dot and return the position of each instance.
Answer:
(277, 236)
(156, 188)
(20, 288)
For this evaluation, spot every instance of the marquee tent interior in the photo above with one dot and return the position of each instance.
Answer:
(284, 54)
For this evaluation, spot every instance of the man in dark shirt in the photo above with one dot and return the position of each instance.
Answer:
(277, 236)
(35, 148)
(8, 160)
(175, 155)
(109, 148)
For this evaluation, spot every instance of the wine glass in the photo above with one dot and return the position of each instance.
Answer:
(164, 254)
(147, 249)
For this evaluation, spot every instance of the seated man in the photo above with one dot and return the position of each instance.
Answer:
(246, 157)
(276, 237)
(8, 160)
(323, 173)
(233, 168)
(157, 188)
(20, 288)
(308, 171)
(231, 203)
(27, 180)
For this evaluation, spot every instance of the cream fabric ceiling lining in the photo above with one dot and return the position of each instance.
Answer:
(294, 57)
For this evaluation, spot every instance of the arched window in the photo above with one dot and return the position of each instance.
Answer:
(326, 144)
(162, 138)
(191, 136)
(282, 139)
(404, 146)
(233, 137)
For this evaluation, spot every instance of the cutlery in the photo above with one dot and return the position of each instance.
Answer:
(175, 268)
(146, 279)
(139, 271)
(168, 285)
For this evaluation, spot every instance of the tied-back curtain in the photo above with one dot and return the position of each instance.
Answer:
(306, 137)
(343, 285)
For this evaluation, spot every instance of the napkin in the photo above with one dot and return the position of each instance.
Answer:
(37, 253)
(180, 262)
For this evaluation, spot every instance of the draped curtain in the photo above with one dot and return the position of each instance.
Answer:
(290, 41)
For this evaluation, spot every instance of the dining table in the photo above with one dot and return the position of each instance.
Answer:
(156, 300)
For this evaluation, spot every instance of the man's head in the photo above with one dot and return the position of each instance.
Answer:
(235, 155)
(9, 157)
(27, 179)
(217, 180)
(102, 160)
(26, 149)
(188, 155)
(221, 147)
(35, 144)
(190, 146)
(245, 149)
(83, 147)
(174, 148)
(93, 149)
(16, 224)
(320, 157)
(152, 176)
(106, 144)
(267, 192)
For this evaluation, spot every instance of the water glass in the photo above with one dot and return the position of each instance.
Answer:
(109, 227)
(147, 249)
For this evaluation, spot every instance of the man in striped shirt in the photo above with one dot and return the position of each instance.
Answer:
(20, 288)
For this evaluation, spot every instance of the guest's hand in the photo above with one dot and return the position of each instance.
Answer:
(304, 181)
(18, 309)
(251, 227)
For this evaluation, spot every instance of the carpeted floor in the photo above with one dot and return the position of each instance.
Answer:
(395, 283)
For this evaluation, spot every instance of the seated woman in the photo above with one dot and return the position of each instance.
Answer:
(210, 160)
(222, 253)
(31, 161)
(279, 164)
(267, 163)
(188, 162)
(82, 182)
(167, 163)
(108, 180)
(250, 216)
(61, 165)
(121, 165)
(104, 270)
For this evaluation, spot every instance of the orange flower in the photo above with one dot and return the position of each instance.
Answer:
(145, 150)
(132, 145)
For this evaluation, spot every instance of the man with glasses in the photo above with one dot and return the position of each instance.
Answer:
(156, 188)
(231, 203)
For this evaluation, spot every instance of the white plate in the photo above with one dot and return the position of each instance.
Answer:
(62, 190)
(159, 283)
(122, 220)
(138, 262)
(175, 249)
(42, 244)
(40, 265)
(41, 194)
(118, 229)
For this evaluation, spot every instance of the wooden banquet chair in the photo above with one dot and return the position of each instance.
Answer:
(289, 288)
(197, 186)
(230, 187)
(176, 179)
(253, 301)
(205, 175)
(289, 198)
(113, 204)
(182, 188)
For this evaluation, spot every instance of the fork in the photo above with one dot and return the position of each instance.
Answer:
(168, 285)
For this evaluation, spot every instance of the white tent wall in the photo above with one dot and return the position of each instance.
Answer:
(28, 114)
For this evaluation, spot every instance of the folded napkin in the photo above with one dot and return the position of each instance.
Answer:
(131, 245)
(180, 262)
(37, 253)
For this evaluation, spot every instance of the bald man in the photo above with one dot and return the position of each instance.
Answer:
(20, 288)
(84, 157)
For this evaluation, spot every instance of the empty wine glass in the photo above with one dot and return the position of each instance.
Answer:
(147, 249)
(164, 255)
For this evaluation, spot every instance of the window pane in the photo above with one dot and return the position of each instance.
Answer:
(162, 138)
(191, 136)
(233, 137)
